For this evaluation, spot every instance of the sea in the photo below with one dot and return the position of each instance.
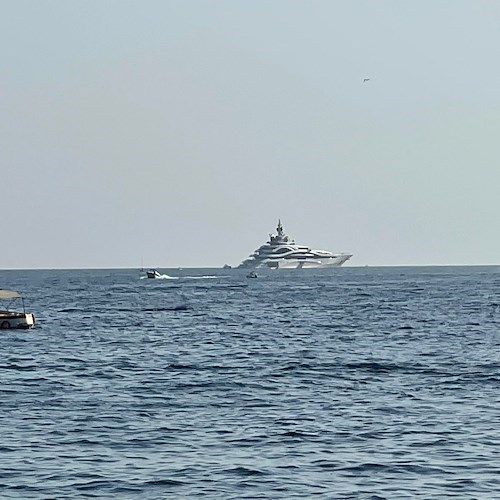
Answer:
(341, 383)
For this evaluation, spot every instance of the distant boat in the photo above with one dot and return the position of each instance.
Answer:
(153, 273)
(252, 274)
(12, 319)
(282, 252)
(226, 266)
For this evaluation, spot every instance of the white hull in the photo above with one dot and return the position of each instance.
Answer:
(305, 263)
(9, 319)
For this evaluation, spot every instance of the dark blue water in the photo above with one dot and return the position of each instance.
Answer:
(342, 383)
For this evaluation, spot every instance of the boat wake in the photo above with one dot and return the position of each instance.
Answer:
(203, 277)
(168, 277)
(161, 277)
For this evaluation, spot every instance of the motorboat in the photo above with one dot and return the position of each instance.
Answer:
(252, 274)
(281, 252)
(13, 319)
(153, 273)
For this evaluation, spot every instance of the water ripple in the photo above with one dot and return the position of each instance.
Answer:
(348, 383)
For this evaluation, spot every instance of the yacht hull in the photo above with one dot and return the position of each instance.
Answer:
(304, 263)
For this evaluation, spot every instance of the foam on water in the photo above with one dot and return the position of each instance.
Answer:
(161, 277)
(168, 277)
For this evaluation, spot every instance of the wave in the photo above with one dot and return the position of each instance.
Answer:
(267, 390)
(180, 307)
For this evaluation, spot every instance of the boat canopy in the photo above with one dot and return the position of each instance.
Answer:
(9, 294)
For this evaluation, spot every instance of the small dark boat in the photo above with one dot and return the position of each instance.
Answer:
(153, 273)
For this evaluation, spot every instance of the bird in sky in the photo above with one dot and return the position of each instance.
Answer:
(366, 80)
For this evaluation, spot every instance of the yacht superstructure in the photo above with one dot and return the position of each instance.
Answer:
(282, 252)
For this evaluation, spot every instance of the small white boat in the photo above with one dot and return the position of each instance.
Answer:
(13, 319)
(153, 273)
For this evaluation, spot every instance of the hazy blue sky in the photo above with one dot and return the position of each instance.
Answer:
(180, 131)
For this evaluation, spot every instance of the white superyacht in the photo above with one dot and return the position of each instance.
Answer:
(281, 252)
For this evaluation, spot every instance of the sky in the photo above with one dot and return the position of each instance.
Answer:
(175, 133)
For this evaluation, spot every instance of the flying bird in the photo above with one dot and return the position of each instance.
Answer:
(366, 80)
